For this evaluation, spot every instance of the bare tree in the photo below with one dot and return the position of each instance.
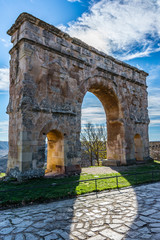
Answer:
(86, 142)
(93, 140)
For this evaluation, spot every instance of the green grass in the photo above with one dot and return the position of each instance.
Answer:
(40, 190)
(2, 175)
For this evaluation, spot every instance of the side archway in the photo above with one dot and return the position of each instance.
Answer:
(55, 152)
(52, 135)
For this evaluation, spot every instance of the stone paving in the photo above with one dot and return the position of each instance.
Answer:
(132, 213)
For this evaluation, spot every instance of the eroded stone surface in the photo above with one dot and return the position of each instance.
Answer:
(154, 148)
(80, 219)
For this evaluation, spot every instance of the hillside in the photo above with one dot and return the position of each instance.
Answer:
(3, 148)
(3, 163)
(3, 145)
(3, 155)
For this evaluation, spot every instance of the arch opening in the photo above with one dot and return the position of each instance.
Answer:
(55, 152)
(116, 153)
(138, 145)
(93, 131)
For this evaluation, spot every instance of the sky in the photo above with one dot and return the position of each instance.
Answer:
(125, 29)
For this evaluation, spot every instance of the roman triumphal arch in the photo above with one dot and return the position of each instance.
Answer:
(50, 73)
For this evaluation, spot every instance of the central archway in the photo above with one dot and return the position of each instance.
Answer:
(106, 93)
(93, 131)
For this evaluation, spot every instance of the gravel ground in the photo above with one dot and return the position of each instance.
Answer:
(105, 170)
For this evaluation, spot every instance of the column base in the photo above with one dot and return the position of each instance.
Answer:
(110, 162)
(73, 169)
(144, 161)
(29, 174)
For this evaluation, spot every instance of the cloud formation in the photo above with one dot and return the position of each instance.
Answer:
(73, 0)
(93, 114)
(5, 42)
(155, 122)
(154, 106)
(154, 95)
(4, 126)
(154, 75)
(4, 79)
(4, 131)
(123, 28)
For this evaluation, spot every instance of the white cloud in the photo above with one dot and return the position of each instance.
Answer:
(145, 53)
(155, 122)
(94, 115)
(154, 106)
(74, 0)
(154, 103)
(4, 131)
(124, 28)
(4, 127)
(5, 42)
(154, 75)
(4, 79)
(154, 95)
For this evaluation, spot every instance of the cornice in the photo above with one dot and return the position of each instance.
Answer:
(50, 28)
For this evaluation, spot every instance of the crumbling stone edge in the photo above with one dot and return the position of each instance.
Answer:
(15, 173)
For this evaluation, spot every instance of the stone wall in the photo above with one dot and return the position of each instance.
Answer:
(154, 148)
(50, 73)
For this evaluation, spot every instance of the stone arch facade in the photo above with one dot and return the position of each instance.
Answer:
(50, 73)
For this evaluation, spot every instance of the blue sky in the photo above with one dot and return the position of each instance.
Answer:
(128, 30)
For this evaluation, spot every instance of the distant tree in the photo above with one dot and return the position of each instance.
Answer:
(93, 141)
(86, 142)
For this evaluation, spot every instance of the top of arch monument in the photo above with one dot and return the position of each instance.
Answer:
(50, 28)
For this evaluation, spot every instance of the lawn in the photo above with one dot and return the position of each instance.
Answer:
(46, 189)
(2, 175)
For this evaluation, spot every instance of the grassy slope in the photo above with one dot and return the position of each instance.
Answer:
(40, 190)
